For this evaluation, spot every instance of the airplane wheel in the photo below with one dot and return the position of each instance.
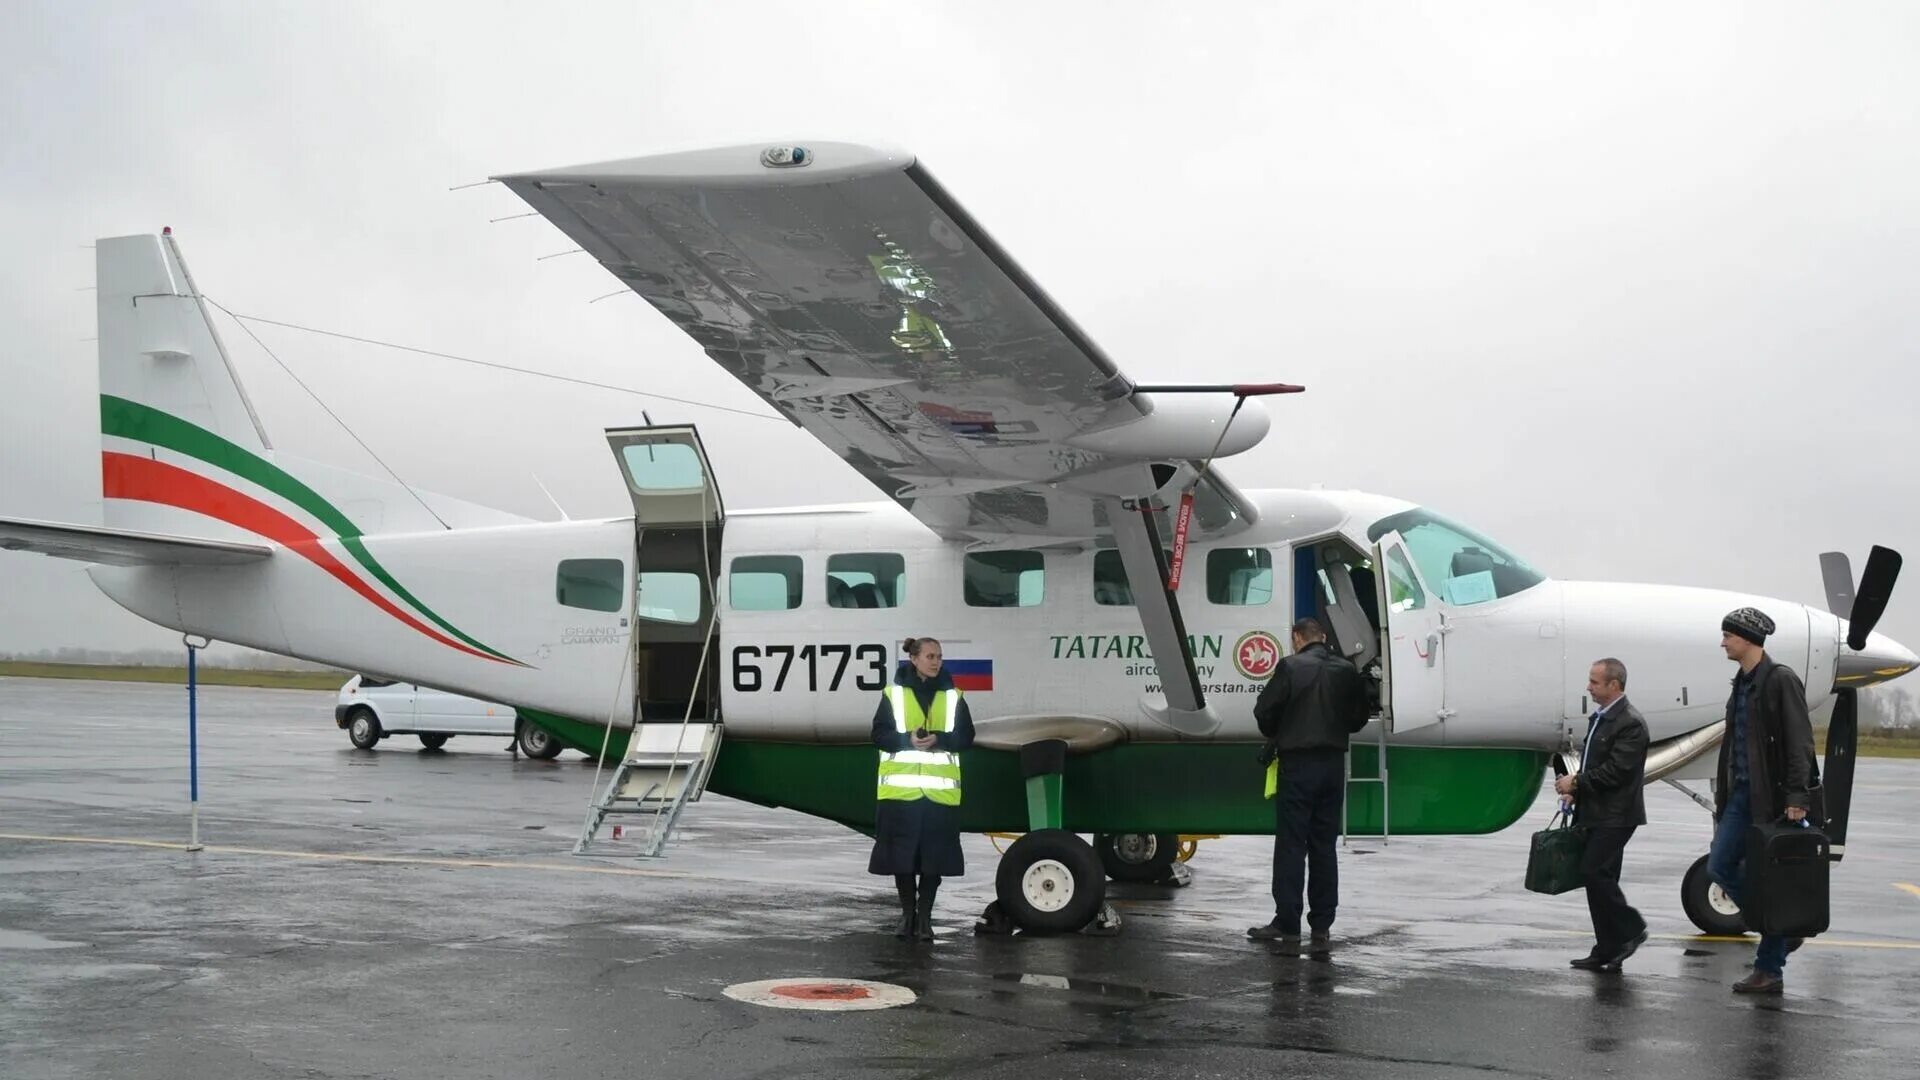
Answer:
(537, 742)
(434, 742)
(363, 728)
(1137, 856)
(1708, 905)
(1050, 881)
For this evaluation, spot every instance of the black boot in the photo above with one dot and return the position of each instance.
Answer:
(923, 914)
(904, 883)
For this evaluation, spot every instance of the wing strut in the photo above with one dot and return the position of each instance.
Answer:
(1138, 539)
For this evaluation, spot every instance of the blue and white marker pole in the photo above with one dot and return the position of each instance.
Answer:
(193, 737)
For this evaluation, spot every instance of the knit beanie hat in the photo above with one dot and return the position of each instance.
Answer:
(1749, 623)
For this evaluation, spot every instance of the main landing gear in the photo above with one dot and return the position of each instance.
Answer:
(1050, 880)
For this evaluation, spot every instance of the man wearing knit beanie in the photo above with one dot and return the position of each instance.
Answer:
(1765, 770)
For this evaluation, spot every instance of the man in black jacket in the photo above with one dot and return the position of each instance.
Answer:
(1609, 800)
(1313, 702)
(1766, 771)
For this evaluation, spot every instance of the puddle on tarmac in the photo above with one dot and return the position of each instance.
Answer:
(28, 941)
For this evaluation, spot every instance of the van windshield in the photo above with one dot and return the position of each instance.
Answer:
(1460, 564)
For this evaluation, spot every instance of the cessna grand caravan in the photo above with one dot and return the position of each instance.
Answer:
(1109, 603)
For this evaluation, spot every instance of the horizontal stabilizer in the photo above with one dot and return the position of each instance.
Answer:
(122, 547)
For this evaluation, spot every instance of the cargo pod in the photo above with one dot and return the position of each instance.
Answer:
(678, 519)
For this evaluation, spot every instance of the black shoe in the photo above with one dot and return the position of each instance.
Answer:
(1593, 961)
(1321, 941)
(1632, 946)
(1273, 932)
(923, 919)
(905, 929)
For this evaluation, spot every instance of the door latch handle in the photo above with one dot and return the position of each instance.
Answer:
(1433, 648)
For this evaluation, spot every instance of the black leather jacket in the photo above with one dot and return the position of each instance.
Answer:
(1780, 768)
(1610, 789)
(1314, 701)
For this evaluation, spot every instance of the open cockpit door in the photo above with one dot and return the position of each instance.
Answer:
(678, 518)
(1413, 630)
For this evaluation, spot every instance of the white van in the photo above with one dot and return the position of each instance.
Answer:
(371, 708)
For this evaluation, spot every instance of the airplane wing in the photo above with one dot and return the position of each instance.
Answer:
(846, 288)
(122, 547)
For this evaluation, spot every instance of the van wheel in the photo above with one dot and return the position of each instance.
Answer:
(363, 728)
(434, 742)
(1136, 856)
(1050, 881)
(1708, 905)
(537, 742)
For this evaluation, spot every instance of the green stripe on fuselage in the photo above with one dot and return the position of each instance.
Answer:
(1135, 787)
(143, 423)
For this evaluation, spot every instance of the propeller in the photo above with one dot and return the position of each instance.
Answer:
(1861, 606)
(1870, 599)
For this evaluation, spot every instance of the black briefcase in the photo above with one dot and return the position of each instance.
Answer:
(1786, 880)
(1553, 861)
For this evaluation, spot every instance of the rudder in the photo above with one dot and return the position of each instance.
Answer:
(160, 355)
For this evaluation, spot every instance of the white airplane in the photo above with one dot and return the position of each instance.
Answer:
(1033, 492)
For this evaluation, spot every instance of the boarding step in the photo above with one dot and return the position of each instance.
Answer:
(1379, 777)
(665, 768)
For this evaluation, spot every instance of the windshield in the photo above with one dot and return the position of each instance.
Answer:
(1461, 565)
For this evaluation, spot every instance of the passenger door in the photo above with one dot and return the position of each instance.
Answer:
(1413, 651)
(678, 519)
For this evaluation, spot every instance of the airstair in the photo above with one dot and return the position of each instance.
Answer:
(1380, 777)
(665, 768)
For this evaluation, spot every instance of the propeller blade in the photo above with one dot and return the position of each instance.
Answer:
(1870, 599)
(1836, 571)
(1836, 780)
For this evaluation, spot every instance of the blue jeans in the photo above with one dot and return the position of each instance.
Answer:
(1726, 865)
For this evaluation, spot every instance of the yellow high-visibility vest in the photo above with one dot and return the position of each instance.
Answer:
(921, 774)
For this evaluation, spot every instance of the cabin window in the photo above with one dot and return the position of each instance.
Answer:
(669, 596)
(1242, 577)
(1004, 579)
(866, 580)
(1110, 584)
(1403, 585)
(765, 583)
(663, 466)
(593, 584)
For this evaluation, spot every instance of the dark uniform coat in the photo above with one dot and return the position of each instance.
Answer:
(919, 836)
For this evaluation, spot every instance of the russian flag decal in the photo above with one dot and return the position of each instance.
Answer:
(970, 674)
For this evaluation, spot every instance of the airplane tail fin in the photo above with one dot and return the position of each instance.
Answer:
(170, 400)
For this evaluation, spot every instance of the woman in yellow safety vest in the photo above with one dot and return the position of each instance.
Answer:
(921, 726)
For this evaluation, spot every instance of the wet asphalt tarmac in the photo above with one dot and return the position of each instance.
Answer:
(404, 913)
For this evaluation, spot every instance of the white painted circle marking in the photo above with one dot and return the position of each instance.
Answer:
(1047, 885)
(821, 995)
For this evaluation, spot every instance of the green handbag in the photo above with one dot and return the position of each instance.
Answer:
(1553, 865)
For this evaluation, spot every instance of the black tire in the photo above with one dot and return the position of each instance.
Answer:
(363, 728)
(1710, 908)
(433, 742)
(537, 742)
(1137, 856)
(1050, 881)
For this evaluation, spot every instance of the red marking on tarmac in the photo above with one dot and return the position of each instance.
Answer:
(822, 991)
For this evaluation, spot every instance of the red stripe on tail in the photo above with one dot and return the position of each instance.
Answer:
(125, 476)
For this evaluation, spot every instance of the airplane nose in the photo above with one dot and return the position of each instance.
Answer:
(1883, 659)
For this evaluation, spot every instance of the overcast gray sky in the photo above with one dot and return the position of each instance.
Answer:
(1630, 289)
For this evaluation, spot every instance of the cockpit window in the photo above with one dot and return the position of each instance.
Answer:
(1461, 565)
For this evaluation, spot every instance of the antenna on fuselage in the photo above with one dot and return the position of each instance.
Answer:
(564, 516)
